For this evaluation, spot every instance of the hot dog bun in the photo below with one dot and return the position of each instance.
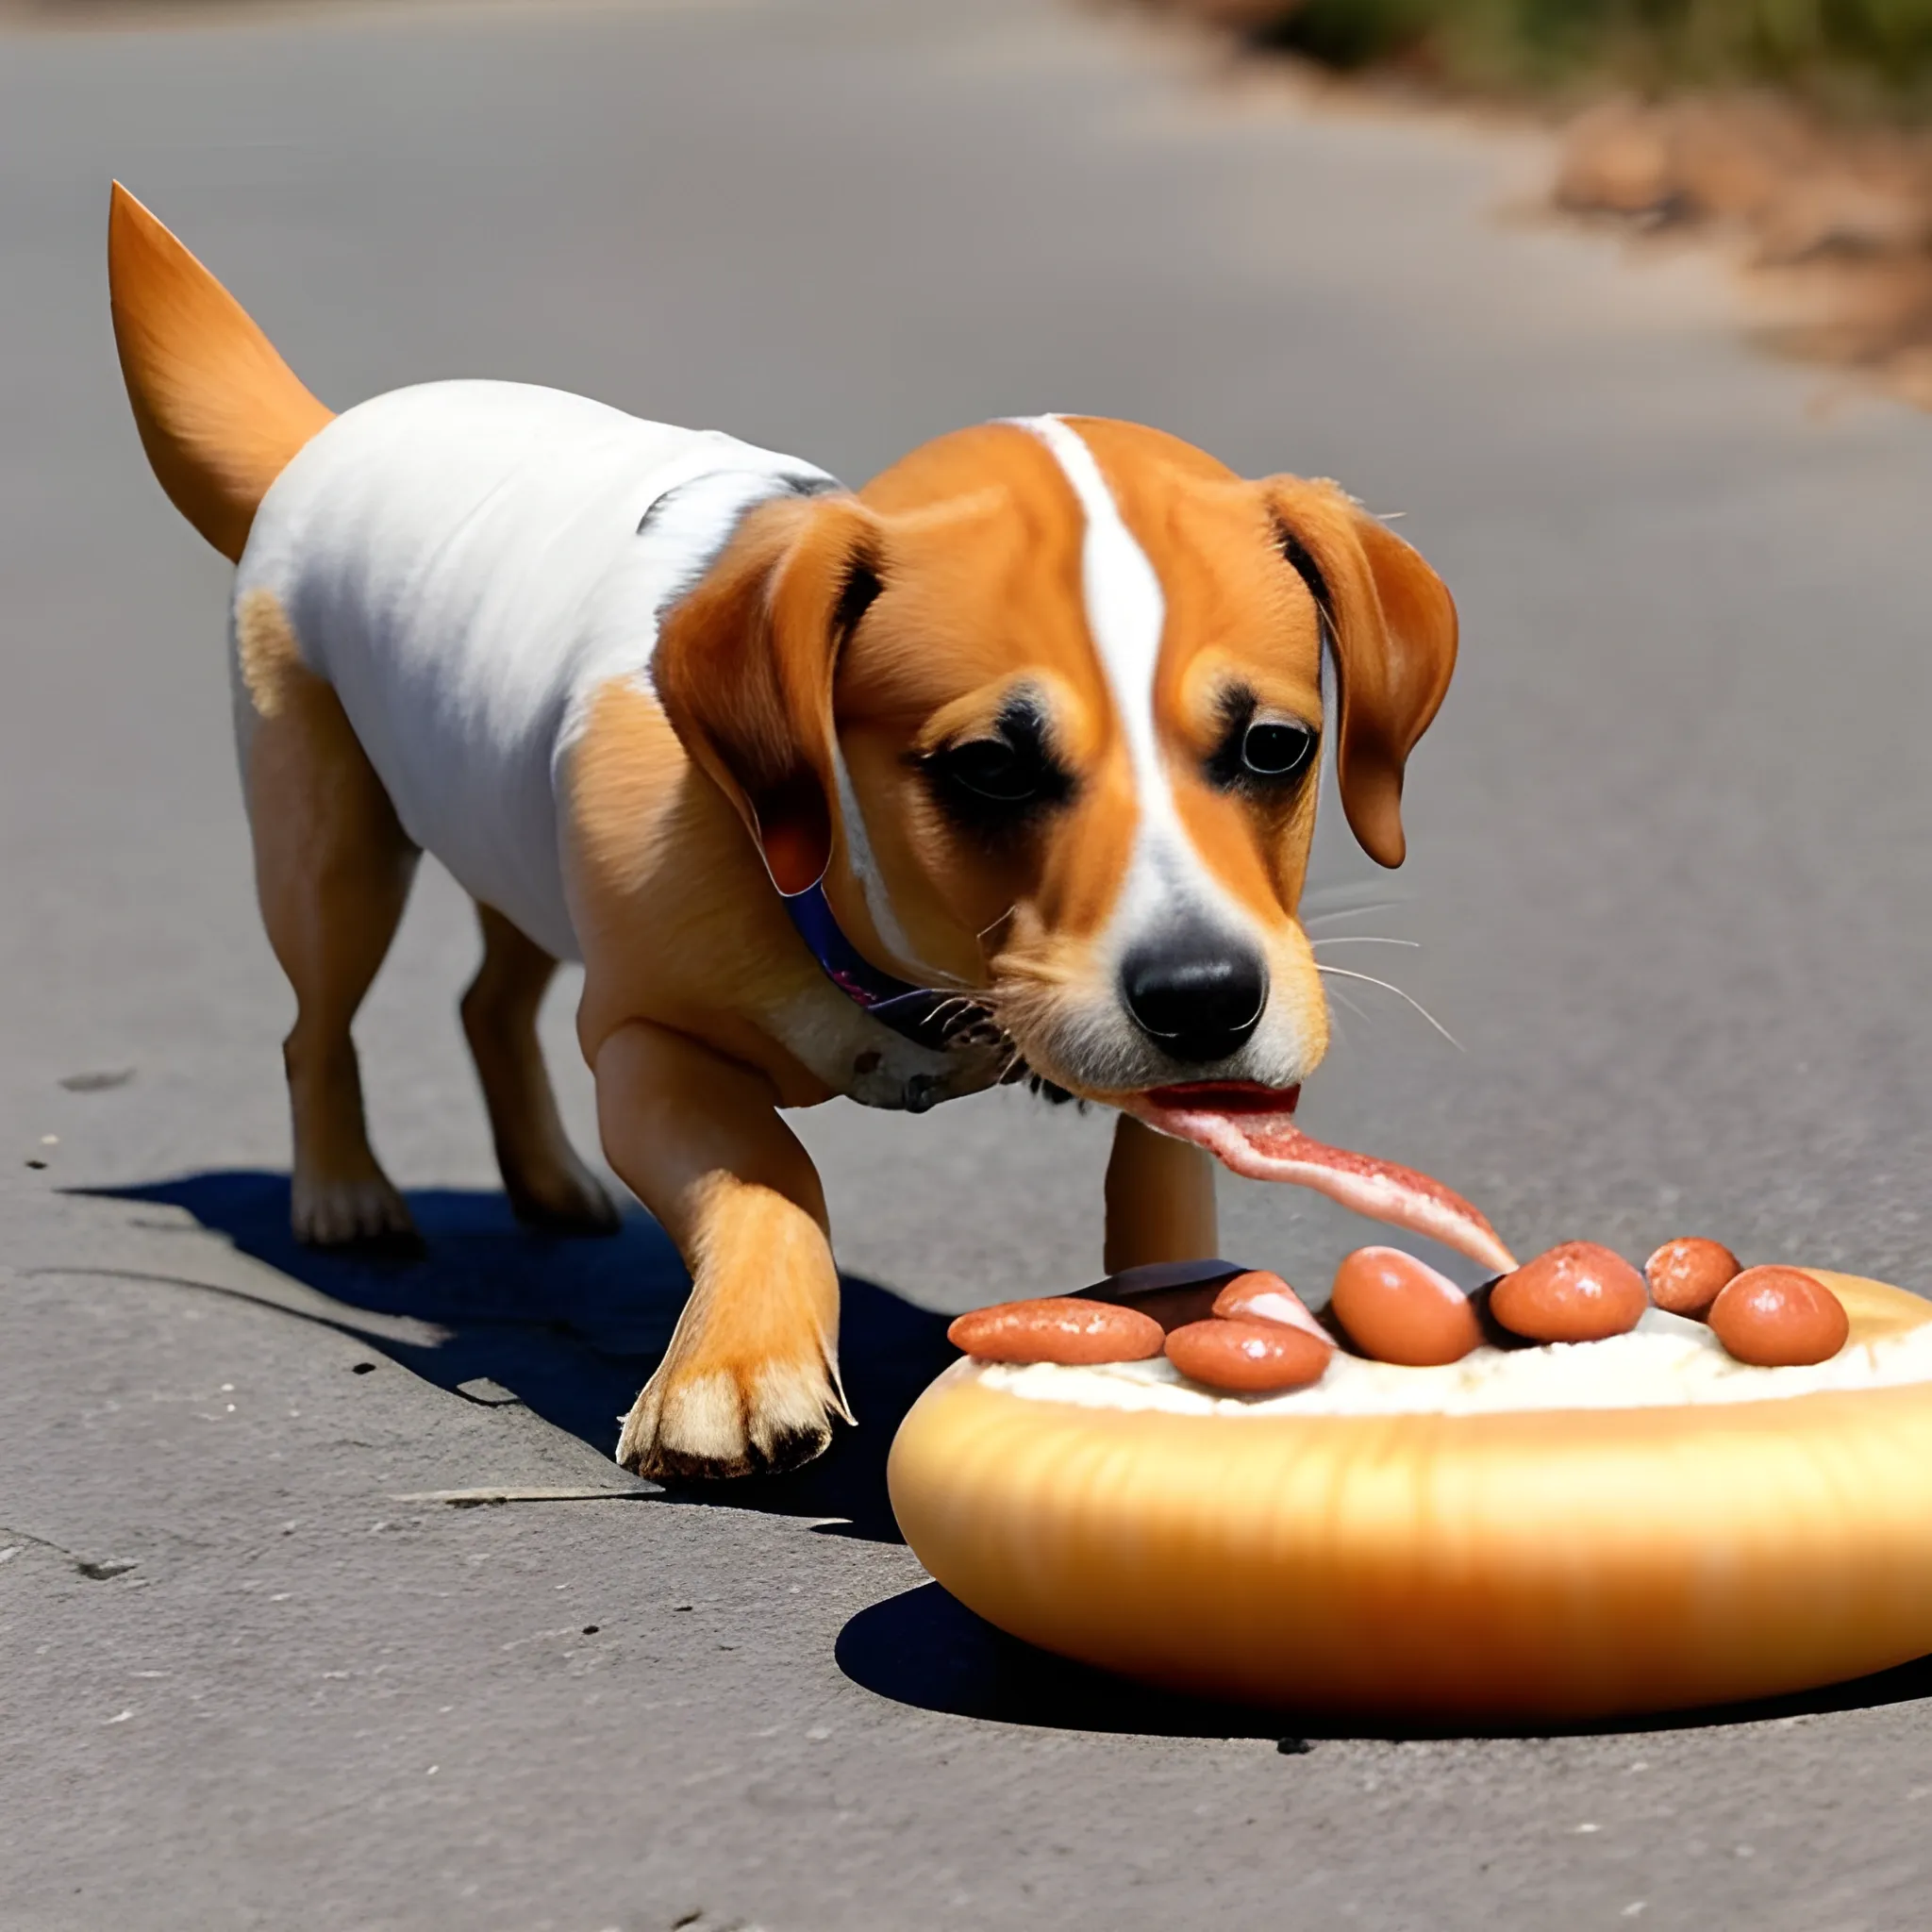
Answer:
(1522, 1564)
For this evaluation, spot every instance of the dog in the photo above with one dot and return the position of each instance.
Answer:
(1001, 767)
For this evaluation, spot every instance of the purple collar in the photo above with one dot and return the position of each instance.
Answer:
(916, 1013)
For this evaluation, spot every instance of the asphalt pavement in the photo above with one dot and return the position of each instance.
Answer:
(1668, 879)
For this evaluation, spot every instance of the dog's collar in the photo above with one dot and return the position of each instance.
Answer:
(916, 1013)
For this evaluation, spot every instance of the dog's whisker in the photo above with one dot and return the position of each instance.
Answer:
(992, 922)
(1369, 979)
(994, 1002)
(1361, 1012)
(1353, 911)
(1030, 974)
(948, 981)
(976, 1028)
(1364, 939)
(1341, 1033)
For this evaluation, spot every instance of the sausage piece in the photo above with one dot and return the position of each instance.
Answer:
(1057, 1328)
(1248, 1358)
(1260, 1297)
(1779, 1318)
(1398, 1310)
(1686, 1275)
(1575, 1293)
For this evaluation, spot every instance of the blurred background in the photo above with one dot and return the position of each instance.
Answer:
(1792, 132)
(1869, 56)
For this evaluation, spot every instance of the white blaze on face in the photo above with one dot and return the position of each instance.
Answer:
(1126, 612)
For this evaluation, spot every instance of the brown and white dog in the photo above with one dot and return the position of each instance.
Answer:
(1003, 765)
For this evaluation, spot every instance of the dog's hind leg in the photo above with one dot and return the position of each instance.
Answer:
(332, 869)
(548, 1186)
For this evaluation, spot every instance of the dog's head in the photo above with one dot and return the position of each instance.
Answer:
(1042, 704)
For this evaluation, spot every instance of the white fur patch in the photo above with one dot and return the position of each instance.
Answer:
(463, 562)
(1126, 612)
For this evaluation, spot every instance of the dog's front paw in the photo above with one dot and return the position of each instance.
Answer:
(362, 1211)
(724, 1419)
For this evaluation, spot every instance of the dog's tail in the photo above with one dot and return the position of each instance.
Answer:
(220, 413)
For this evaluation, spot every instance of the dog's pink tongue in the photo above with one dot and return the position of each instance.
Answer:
(1270, 1147)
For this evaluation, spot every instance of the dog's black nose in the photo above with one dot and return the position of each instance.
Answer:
(1197, 993)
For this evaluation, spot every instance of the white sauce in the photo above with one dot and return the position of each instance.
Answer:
(1664, 1362)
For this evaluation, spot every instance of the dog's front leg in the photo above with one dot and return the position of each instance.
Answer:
(750, 1381)
(1159, 1200)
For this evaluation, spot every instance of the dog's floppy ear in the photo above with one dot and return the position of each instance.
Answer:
(745, 663)
(1391, 624)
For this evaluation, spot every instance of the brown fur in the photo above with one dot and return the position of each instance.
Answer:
(332, 872)
(548, 1186)
(750, 1379)
(220, 413)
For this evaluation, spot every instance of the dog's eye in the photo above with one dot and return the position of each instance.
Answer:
(1265, 758)
(1272, 749)
(995, 784)
(991, 769)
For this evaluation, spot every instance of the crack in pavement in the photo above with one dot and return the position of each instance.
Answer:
(99, 1569)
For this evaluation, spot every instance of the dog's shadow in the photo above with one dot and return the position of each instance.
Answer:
(571, 1327)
